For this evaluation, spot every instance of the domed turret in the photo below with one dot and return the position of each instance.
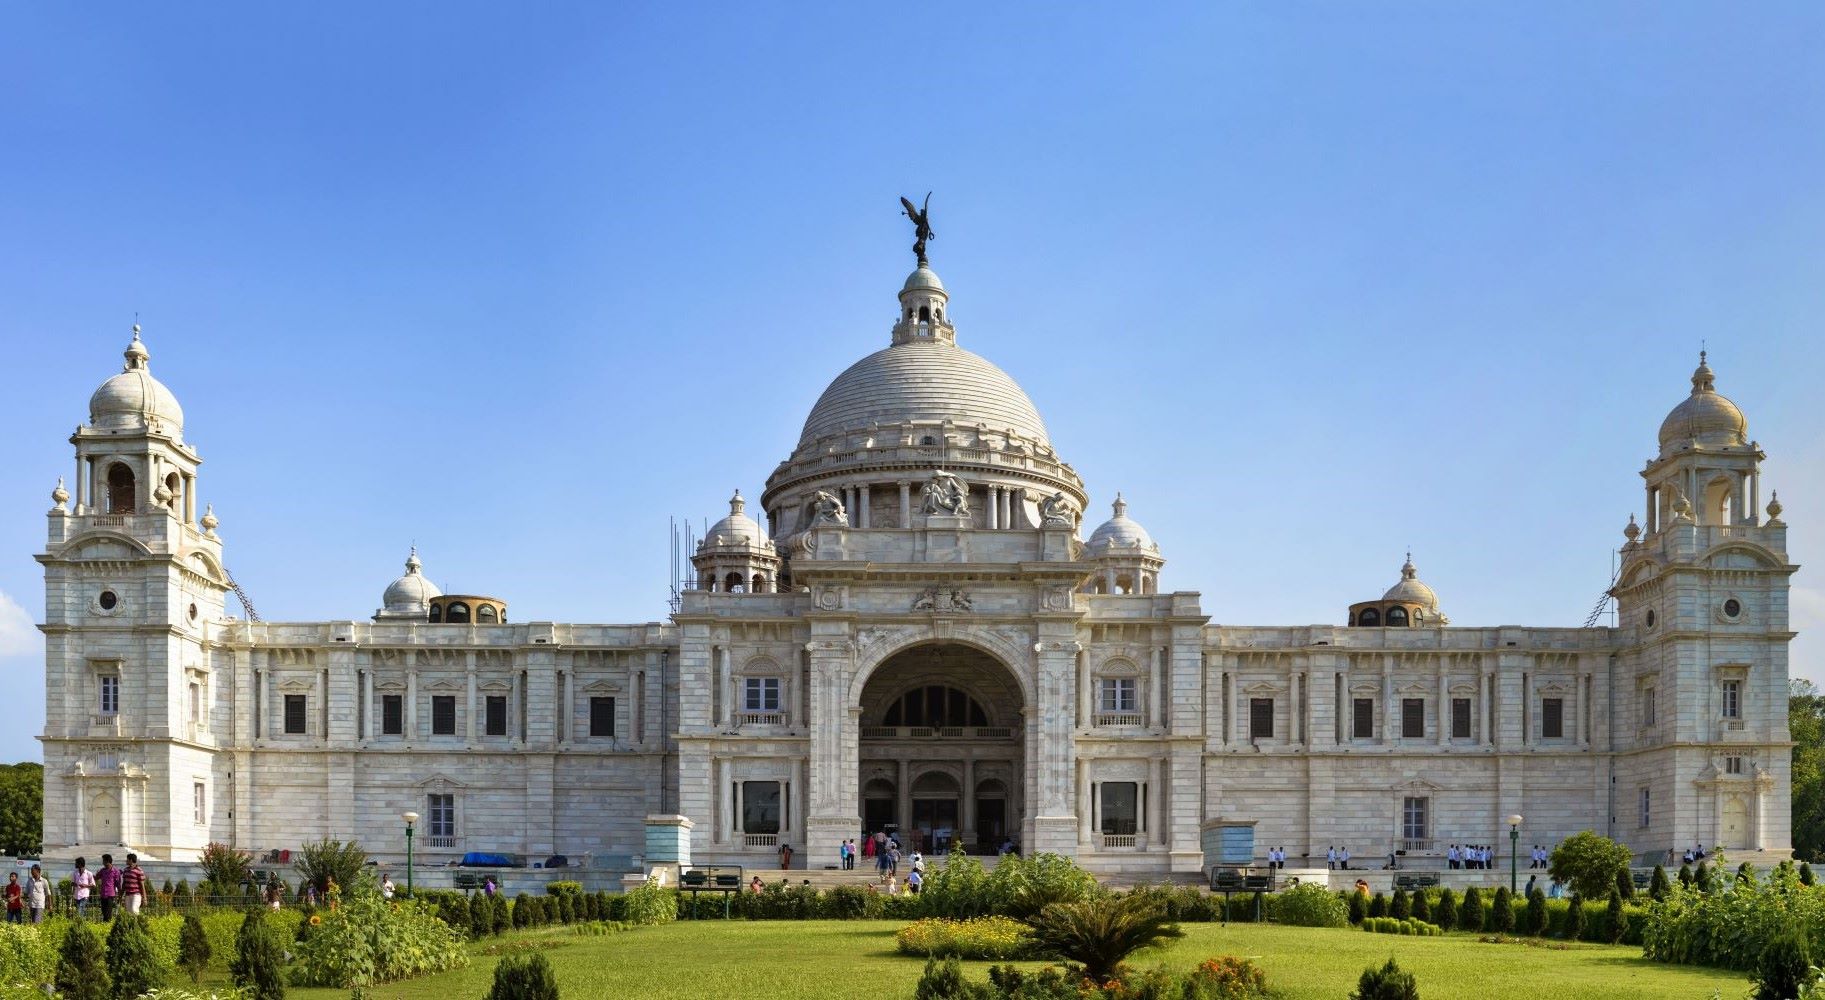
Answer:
(1127, 560)
(736, 556)
(1703, 418)
(409, 597)
(1408, 603)
(134, 399)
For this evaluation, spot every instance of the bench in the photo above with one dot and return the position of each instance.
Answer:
(466, 880)
(1641, 877)
(725, 879)
(1416, 880)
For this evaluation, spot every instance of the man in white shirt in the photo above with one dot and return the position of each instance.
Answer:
(1343, 858)
(1330, 858)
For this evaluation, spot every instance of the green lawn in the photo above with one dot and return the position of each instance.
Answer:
(763, 960)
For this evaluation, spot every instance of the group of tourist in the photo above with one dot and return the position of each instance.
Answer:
(1697, 853)
(1337, 858)
(1276, 857)
(1476, 856)
(114, 886)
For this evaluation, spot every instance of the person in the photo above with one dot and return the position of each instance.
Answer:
(1451, 857)
(1393, 862)
(1330, 857)
(15, 899)
(868, 848)
(1362, 886)
(842, 855)
(1343, 858)
(785, 856)
(488, 886)
(880, 861)
(893, 858)
(274, 895)
(108, 884)
(1557, 891)
(918, 862)
(310, 894)
(37, 894)
(133, 885)
(1532, 880)
(83, 882)
(914, 881)
(754, 885)
(386, 887)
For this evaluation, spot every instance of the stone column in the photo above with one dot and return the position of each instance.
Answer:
(833, 726)
(1156, 802)
(1054, 757)
(81, 482)
(412, 733)
(903, 801)
(967, 814)
(725, 696)
(367, 704)
(469, 715)
(1155, 682)
(994, 507)
(905, 503)
(1086, 710)
(1444, 704)
(1083, 802)
(569, 712)
(1390, 719)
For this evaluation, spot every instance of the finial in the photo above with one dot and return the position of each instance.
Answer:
(1632, 531)
(135, 353)
(60, 496)
(412, 563)
(1120, 505)
(736, 504)
(922, 228)
(208, 520)
(1774, 507)
(1407, 570)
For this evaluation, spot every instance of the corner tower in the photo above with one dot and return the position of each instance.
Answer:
(133, 583)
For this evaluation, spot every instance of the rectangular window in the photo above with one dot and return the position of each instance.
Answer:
(110, 694)
(1460, 718)
(1733, 765)
(1121, 806)
(1117, 694)
(199, 798)
(496, 706)
(440, 815)
(1362, 726)
(1552, 718)
(1646, 812)
(295, 714)
(1647, 709)
(392, 714)
(1412, 718)
(1733, 699)
(1413, 812)
(760, 802)
(761, 694)
(443, 715)
(602, 717)
(196, 703)
(1260, 718)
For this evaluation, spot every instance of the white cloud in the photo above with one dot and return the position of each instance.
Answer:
(19, 635)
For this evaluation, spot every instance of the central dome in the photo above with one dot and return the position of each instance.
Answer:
(924, 381)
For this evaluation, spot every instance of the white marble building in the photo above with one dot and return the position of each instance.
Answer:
(913, 632)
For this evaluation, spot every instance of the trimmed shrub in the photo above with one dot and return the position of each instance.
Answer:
(1536, 912)
(259, 961)
(1401, 906)
(1658, 886)
(1386, 983)
(1685, 875)
(1378, 905)
(524, 977)
(1614, 923)
(652, 903)
(1422, 910)
(1702, 877)
(1502, 913)
(1358, 909)
(944, 981)
(1574, 919)
(1470, 915)
(1445, 913)
(497, 910)
(564, 887)
(1410, 927)
(1745, 873)
(994, 938)
(1310, 905)
(1783, 969)
(1806, 876)
(845, 902)
(133, 958)
(193, 948)
(82, 965)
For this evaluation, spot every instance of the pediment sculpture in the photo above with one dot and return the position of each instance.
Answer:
(946, 494)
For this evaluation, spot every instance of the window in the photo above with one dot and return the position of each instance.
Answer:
(760, 806)
(295, 714)
(443, 715)
(1413, 812)
(602, 717)
(199, 802)
(1733, 608)
(1362, 726)
(1260, 718)
(1397, 617)
(1733, 765)
(1117, 694)
(486, 615)
(1121, 800)
(457, 613)
(440, 815)
(496, 720)
(196, 703)
(120, 489)
(392, 714)
(1552, 718)
(1733, 699)
(1369, 617)
(1646, 812)
(1650, 625)
(1412, 718)
(108, 600)
(1460, 718)
(935, 705)
(110, 694)
(1647, 709)
(760, 694)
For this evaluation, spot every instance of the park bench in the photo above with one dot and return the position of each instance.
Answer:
(1416, 880)
(466, 880)
(1231, 880)
(1641, 877)
(725, 879)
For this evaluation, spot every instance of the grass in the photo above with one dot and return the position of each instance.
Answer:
(788, 960)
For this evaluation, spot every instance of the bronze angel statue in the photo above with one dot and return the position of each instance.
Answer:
(922, 224)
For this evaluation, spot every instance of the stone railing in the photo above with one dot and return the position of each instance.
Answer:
(1119, 719)
(1119, 840)
(1420, 844)
(760, 839)
(760, 718)
(939, 732)
(440, 843)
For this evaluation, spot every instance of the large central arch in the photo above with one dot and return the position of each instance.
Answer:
(940, 747)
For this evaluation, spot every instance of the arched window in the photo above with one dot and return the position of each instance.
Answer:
(759, 584)
(925, 314)
(174, 485)
(706, 582)
(120, 489)
(1369, 617)
(935, 705)
(732, 583)
(1397, 616)
(486, 615)
(457, 614)
(437, 614)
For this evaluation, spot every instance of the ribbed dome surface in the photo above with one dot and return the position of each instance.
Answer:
(134, 398)
(1120, 532)
(410, 594)
(1704, 417)
(1410, 589)
(923, 380)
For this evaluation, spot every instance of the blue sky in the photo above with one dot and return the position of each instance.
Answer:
(1310, 283)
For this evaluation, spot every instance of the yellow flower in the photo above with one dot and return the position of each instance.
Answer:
(315, 920)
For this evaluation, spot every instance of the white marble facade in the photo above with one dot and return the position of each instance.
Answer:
(912, 631)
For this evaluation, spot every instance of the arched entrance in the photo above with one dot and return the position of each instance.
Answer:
(1735, 832)
(103, 819)
(940, 753)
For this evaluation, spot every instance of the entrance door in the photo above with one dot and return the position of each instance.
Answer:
(103, 821)
(878, 807)
(1736, 823)
(934, 824)
(991, 824)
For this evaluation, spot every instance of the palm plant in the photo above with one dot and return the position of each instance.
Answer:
(1100, 932)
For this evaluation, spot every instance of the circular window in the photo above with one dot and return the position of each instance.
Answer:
(1650, 618)
(107, 600)
(193, 612)
(1733, 608)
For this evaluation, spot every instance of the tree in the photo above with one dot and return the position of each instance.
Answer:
(1806, 724)
(1617, 922)
(1658, 886)
(22, 809)
(1504, 911)
(1536, 912)
(1470, 915)
(1574, 919)
(1422, 910)
(1358, 908)
(82, 965)
(325, 861)
(1806, 876)
(1401, 907)
(1784, 969)
(1445, 913)
(133, 961)
(1099, 933)
(525, 977)
(1686, 878)
(193, 948)
(1589, 862)
(226, 867)
(1625, 883)
(1390, 982)
(258, 965)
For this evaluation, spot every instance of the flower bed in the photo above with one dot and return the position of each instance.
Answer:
(981, 937)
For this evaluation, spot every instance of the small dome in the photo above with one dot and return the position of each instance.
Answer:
(1120, 532)
(410, 595)
(134, 399)
(922, 278)
(1704, 417)
(736, 529)
(1410, 589)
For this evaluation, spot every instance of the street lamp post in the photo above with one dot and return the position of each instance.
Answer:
(411, 819)
(1514, 849)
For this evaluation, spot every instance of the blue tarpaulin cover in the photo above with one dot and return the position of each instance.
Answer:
(483, 859)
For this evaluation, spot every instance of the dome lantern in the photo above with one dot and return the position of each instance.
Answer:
(409, 597)
(1127, 560)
